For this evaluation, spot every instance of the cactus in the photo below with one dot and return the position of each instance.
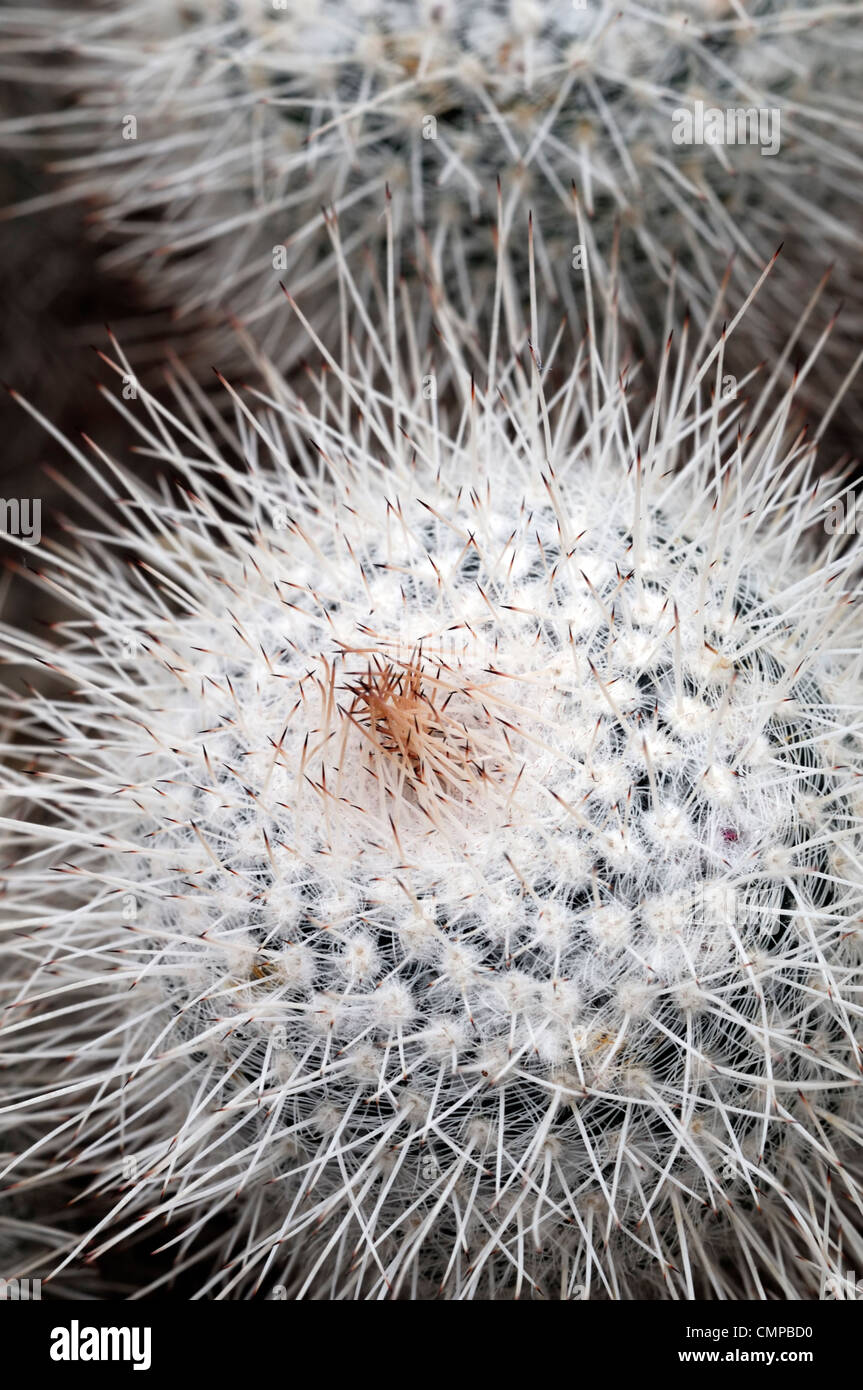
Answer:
(215, 139)
(442, 876)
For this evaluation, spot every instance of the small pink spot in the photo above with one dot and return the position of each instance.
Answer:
(729, 835)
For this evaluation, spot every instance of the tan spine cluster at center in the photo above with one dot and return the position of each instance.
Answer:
(426, 726)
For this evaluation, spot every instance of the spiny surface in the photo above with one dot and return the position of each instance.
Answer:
(249, 118)
(453, 872)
